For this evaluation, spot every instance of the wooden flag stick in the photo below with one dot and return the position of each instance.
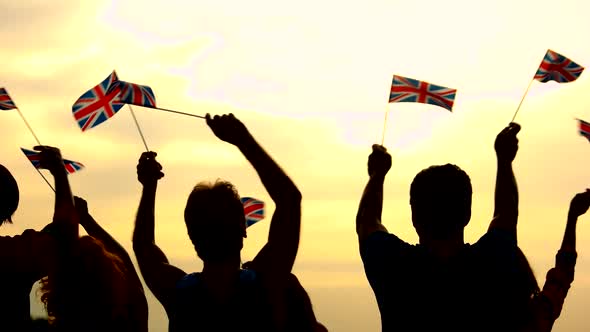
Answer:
(384, 126)
(138, 128)
(177, 112)
(44, 178)
(28, 126)
(525, 93)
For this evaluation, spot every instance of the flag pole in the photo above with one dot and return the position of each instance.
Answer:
(525, 93)
(384, 126)
(138, 128)
(44, 178)
(177, 112)
(28, 126)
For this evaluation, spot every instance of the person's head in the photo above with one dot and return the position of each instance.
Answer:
(440, 197)
(9, 195)
(89, 291)
(214, 217)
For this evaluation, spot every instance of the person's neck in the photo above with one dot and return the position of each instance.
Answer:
(222, 270)
(443, 248)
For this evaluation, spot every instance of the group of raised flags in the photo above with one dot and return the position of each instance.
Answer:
(553, 67)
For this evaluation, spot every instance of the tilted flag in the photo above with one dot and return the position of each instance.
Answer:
(253, 210)
(556, 67)
(405, 89)
(98, 104)
(70, 166)
(585, 129)
(136, 94)
(6, 102)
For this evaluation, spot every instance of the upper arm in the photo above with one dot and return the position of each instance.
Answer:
(158, 274)
(366, 228)
(278, 255)
(504, 223)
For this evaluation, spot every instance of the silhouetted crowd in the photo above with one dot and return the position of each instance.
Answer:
(89, 283)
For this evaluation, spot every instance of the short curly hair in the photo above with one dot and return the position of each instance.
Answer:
(214, 217)
(9, 195)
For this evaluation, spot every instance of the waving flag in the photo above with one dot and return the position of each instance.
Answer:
(70, 166)
(585, 129)
(6, 102)
(253, 209)
(556, 67)
(405, 89)
(136, 94)
(98, 104)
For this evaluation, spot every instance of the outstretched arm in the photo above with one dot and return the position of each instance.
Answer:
(280, 251)
(506, 196)
(368, 218)
(578, 207)
(158, 274)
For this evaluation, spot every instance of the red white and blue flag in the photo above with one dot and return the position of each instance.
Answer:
(405, 89)
(253, 210)
(556, 67)
(6, 102)
(33, 156)
(136, 94)
(98, 104)
(584, 129)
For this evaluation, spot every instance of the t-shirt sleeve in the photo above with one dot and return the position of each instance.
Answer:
(378, 251)
(31, 252)
(558, 281)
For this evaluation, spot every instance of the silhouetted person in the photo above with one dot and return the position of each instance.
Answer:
(223, 297)
(24, 259)
(546, 304)
(92, 286)
(444, 284)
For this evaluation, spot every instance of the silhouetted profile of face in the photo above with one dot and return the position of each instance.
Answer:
(440, 197)
(9, 195)
(215, 221)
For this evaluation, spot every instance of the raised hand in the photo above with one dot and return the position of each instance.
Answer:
(228, 128)
(506, 144)
(50, 159)
(149, 171)
(379, 161)
(580, 204)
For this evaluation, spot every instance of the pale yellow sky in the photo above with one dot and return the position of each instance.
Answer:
(310, 79)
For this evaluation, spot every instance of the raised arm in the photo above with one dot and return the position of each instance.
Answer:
(368, 218)
(280, 251)
(158, 274)
(578, 207)
(506, 196)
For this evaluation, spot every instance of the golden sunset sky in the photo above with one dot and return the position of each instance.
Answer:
(310, 79)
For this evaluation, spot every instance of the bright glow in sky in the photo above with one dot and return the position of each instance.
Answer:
(310, 80)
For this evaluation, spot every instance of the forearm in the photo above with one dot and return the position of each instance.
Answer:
(96, 231)
(371, 206)
(144, 231)
(568, 243)
(506, 197)
(278, 185)
(65, 213)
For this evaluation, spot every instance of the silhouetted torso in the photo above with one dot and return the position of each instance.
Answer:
(23, 260)
(472, 291)
(194, 308)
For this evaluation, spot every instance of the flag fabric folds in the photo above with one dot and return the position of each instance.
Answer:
(556, 67)
(98, 104)
(584, 129)
(70, 166)
(136, 94)
(405, 89)
(253, 210)
(6, 103)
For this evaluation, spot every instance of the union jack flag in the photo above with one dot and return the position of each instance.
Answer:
(70, 166)
(98, 104)
(253, 210)
(405, 89)
(136, 94)
(585, 129)
(556, 67)
(6, 102)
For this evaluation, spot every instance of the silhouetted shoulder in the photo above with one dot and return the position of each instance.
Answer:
(25, 252)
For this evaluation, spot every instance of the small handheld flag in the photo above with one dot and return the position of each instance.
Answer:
(585, 129)
(405, 89)
(6, 103)
(135, 94)
(70, 166)
(556, 67)
(98, 104)
(253, 210)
